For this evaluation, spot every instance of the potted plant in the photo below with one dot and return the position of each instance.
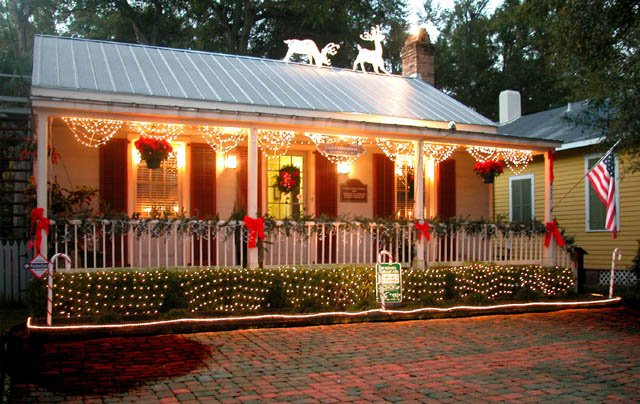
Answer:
(488, 170)
(288, 179)
(153, 151)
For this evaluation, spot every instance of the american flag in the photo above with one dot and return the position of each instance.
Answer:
(603, 180)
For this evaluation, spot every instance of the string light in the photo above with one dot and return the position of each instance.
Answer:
(92, 132)
(438, 152)
(240, 290)
(339, 149)
(274, 143)
(397, 150)
(221, 139)
(166, 131)
(483, 153)
(516, 160)
(262, 317)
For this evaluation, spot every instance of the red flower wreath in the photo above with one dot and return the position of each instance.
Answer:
(288, 179)
(489, 169)
(153, 150)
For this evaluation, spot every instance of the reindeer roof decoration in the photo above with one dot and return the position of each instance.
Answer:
(309, 48)
(374, 57)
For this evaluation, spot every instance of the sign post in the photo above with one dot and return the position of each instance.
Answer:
(388, 280)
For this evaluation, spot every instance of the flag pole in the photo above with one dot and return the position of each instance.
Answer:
(585, 174)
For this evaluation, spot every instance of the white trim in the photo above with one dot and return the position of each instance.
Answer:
(533, 200)
(580, 143)
(198, 112)
(587, 186)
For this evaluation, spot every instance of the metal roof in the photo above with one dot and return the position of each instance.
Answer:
(553, 124)
(122, 70)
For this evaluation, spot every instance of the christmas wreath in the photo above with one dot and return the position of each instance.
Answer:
(288, 179)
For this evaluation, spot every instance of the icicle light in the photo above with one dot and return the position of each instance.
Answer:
(396, 150)
(339, 149)
(516, 160)
(275, 143)
(221, 139)
(166, 131)
(438, 152)
(92, 132)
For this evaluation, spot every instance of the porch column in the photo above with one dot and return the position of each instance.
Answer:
(548, 254)
(42, 175)
(418, 205)
(252, 190)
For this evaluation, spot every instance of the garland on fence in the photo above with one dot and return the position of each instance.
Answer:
(323, 226)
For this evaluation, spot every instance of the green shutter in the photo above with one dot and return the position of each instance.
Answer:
(521, 200)
(597, 211)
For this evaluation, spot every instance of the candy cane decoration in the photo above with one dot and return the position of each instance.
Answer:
(50, 273)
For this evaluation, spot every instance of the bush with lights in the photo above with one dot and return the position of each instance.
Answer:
(139, 293)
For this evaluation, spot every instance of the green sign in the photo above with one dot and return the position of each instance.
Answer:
(389, 277)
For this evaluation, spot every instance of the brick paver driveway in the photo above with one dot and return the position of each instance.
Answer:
(570, 356)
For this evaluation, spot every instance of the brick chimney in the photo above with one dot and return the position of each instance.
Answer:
(418, 57)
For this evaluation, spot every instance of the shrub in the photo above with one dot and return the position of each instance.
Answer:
(170, 293)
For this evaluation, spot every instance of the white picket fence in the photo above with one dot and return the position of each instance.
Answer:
(106, 244)
(13, 276)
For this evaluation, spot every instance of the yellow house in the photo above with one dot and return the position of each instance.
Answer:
(574, 203)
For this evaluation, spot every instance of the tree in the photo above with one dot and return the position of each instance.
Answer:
(595, 43)
(466, 59)
(19, 21)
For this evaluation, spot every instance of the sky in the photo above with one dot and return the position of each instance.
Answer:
(416, 5)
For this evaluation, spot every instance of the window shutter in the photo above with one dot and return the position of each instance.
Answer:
(447, 189)
(383, 186)
(113, 175)
(521, 199)
(326, 187)
(242, 176)
(113, 191)
(203, 181)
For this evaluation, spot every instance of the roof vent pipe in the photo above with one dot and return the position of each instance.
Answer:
(510, 108)
(568, 107)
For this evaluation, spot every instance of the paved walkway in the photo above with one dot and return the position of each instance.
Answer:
(570, 356)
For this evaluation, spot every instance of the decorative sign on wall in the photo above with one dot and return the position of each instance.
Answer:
(353, 191)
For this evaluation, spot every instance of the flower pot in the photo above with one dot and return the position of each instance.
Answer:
(488, 179)
(153, 163)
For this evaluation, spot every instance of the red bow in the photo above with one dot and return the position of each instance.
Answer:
(256, 229)
(38, 223)
(423, 230)
(552, 231)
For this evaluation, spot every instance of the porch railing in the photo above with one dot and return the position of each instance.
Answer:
(103, 244)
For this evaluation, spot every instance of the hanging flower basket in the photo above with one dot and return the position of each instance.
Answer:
(288, 179)
(488, 170)
(153, 151)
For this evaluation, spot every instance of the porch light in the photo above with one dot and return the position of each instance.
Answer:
(344, 167)
(231, 161)
(181, 155)
(430, 169)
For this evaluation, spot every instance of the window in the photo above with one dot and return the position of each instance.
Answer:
(282, 205)
(157, 190)
(404, 190)
(595, 210)
(521, 191)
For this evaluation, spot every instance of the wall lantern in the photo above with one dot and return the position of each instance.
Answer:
(231, 161)
(344, 167)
